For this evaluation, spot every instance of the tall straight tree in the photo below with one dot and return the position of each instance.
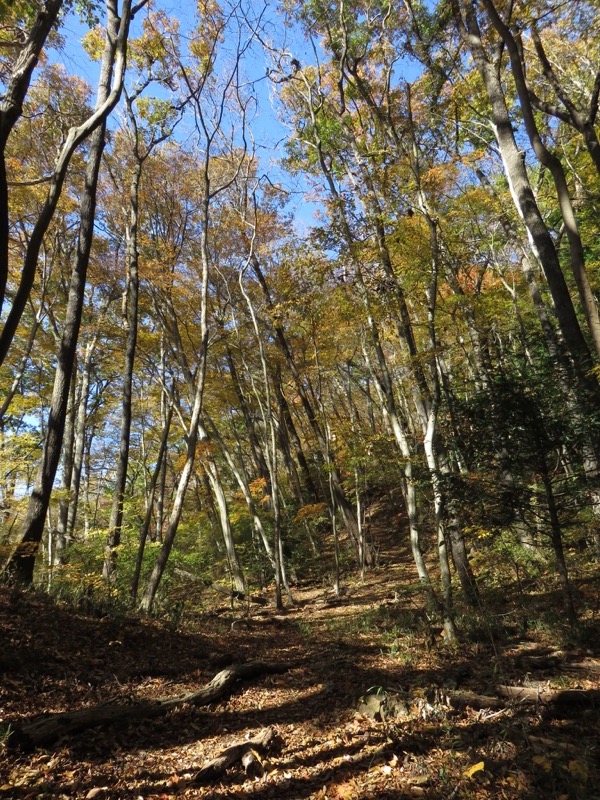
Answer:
(540, 238)
(212, 98)
(20, 567)
(76, 135)
(11, 108)
(143, 141)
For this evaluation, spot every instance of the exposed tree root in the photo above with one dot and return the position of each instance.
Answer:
(248, 752)
(28, 735)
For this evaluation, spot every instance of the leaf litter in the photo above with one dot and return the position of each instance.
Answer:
(55, 658)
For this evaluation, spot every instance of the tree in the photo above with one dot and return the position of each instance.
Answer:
(153, 124)
(216, 171)
(17, 79)
(20, 568)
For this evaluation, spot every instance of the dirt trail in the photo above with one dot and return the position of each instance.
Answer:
(373, 638)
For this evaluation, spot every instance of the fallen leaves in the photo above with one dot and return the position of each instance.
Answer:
(478, 767)
(329, 752)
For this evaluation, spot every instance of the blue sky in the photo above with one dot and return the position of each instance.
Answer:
(268, 132)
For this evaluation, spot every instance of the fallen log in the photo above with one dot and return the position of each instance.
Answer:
(28, 735)
(564, 699)
(525, 694)
(587, 665)
(248, 752)
(464, 699)
(545, 744)
(557, 661)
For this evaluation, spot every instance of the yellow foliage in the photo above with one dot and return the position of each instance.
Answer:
(257, 488)
(543, 762)
(93, 43)
(205, 450)
(578, 769)
(237, 515)
(310, 511)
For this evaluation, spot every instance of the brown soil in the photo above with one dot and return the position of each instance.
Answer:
(375, 636)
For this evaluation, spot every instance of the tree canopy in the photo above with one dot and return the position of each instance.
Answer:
(282, 264)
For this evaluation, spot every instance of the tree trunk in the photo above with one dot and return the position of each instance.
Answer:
(11, 108)
(131, 324)
(556, 539)
(45, 731)
(383, 386)
(239, 473)
(114, 61)
(194, 427)
(160, 458)
(21, 565)
(235, 568)
(61, 540)
(340, 495)
(79, 443)
(514, 166)
(153, 583)
(552, 162)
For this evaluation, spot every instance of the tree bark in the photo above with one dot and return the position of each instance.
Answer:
(514, 166)
(79, 443)
(160, 458)
(20, 567)
(241, 751)
(235, 568)
(39, 733)
(60, 532)
(11, 108)
(108, 97)
(552, 162)
(131, 325)
(338, 489)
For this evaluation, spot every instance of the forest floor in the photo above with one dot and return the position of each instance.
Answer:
(374, 639)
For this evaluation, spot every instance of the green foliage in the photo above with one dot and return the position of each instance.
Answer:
(19, 11)
(88, 11)
(156, 113)
(510, 433)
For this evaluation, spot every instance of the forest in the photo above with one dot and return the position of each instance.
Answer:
(300, 378)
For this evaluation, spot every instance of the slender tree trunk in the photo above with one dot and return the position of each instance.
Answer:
(193, 430)
(514, 166)
(340, 495)
(22, 561)
(148, 517)
(557, 543)
(383, 387)
(257, 455)
(239, 473)
(20, 372)
(11, 108)
(235, 569)
(131, 323)
(61, 541)
(153, 583)
(108, 96)
(552, 162)
(21, 565)
(569, 113)
(308, 491)
(79, 442)
(162, 483)
(270, 424)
